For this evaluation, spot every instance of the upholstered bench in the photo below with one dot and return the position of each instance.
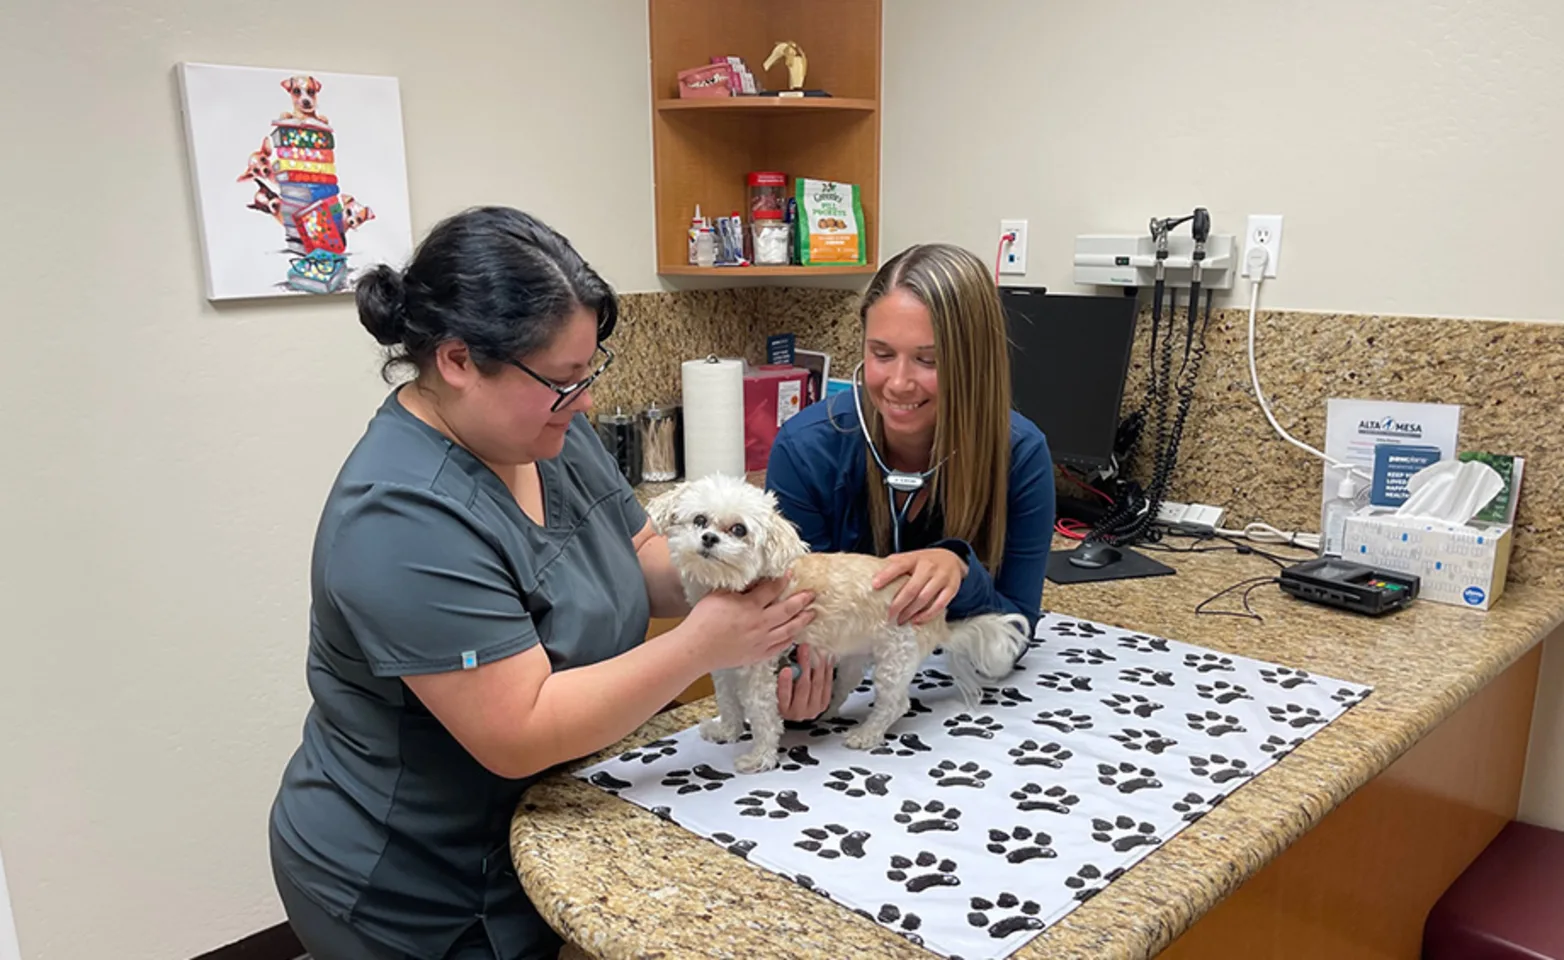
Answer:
(1508, 905)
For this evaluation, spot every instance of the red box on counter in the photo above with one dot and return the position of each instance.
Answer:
(772, 394)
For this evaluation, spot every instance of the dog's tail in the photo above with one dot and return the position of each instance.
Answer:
(984, 649)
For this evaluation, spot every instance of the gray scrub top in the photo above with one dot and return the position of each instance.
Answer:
(424, 562)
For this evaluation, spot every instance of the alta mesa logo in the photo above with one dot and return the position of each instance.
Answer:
(1391, 427)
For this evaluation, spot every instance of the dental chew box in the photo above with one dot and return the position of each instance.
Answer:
(1460, 564)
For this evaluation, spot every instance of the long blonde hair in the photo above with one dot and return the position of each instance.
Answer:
(972, 430)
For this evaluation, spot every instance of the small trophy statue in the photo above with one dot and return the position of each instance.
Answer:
(792, 55)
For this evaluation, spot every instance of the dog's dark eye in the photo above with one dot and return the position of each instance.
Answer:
(738, 530)
(699, 520)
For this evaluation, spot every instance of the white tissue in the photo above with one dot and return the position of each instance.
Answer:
(713, 391)
(1450, 491)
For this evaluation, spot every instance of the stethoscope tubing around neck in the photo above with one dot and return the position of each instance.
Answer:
(896, 481)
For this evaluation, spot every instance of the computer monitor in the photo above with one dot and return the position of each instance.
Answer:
(1068, 359)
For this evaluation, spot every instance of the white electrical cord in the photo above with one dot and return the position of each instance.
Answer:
(1256, 262)
(1265, 533)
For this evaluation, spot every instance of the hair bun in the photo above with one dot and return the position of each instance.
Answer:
(382, 304)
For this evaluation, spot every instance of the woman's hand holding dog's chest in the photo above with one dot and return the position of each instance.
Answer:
(933, 578)
(738, 629)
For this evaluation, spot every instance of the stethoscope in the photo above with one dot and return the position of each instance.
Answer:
(896, 481)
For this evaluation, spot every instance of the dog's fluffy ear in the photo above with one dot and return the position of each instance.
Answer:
(783, 545)
(312, 85)
(660, 509)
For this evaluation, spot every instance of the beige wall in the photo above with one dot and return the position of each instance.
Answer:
(165, 461)
(1412, 146)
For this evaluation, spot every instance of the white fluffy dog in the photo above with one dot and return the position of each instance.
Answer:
(725, 534)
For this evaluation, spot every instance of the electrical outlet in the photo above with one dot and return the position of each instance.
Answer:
(1012, 253)
(1265, 230)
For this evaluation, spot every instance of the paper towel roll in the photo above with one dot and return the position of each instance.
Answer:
(713, 417)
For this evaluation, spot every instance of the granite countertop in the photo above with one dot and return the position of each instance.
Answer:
(624, 884)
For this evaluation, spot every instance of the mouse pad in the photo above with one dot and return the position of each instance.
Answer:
(1132, 566)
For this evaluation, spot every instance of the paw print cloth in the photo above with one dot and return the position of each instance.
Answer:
(971, 830)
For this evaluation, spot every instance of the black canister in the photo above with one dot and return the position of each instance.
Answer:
(621, 436)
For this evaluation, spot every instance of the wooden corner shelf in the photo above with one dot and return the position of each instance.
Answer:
(702, 149)
(769, 104)
(686, 270)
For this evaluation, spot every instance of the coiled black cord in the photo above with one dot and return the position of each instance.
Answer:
(1133, 520)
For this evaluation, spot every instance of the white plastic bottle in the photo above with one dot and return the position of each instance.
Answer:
(706, 248)
(697, 223)
(1333, 517)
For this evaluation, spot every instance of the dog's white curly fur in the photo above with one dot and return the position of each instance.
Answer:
(725, 534)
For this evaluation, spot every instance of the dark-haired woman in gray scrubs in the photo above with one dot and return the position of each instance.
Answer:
(481, 584)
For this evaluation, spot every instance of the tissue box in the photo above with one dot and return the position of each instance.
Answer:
(1460, 564)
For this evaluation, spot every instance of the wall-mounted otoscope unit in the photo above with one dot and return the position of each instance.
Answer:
(1110, 260)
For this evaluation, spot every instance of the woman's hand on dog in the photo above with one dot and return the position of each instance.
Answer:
(806, 695)
(933, 577)
(739, 629)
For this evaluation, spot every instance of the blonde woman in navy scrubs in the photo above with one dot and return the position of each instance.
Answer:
(481, 583)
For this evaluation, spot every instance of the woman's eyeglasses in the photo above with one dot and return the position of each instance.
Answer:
(567, 393)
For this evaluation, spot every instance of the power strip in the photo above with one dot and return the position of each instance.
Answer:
(1192, 517)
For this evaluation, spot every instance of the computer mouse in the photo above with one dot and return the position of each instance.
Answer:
(1094, 556)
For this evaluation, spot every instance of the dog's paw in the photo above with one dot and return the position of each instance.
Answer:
(755, 762)
(719, 730)
(863, 739)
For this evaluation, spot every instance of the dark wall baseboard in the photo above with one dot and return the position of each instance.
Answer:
(273, 943)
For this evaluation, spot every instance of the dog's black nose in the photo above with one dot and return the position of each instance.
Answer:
(709, 539)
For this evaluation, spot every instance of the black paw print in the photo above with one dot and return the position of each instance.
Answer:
(1032, 797)
(1064, 721)
(808, 883)
(782, 805)
(1066, 682)
(652, 752)
(796, 758)
(1148, 740)
(968, 774)
(1141, 643)
(1147, 677)
(902, 923)
(1018, 915)
(1127, 778)
(936, 872)
(1029, 753)
(732, 844)
(827, 726)
(903, 746)
(1214, 724)
(1134, 703)
(1285, 677)
(935, 816)
(1295, 716)
(932, 680)
(1085, 882)
(709, 779)
(1279, 747)
(1349, 698)
(966, 725)
(857, 782)
(1219, 769)
(1123, 834)
(607, 781)
(832, 841)
(1094, 656)
(1207, 662)
(1067, 628)
(1003, 697)
(1222, 692)
(1031, 846)
(1193, 806)
(915, 707)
